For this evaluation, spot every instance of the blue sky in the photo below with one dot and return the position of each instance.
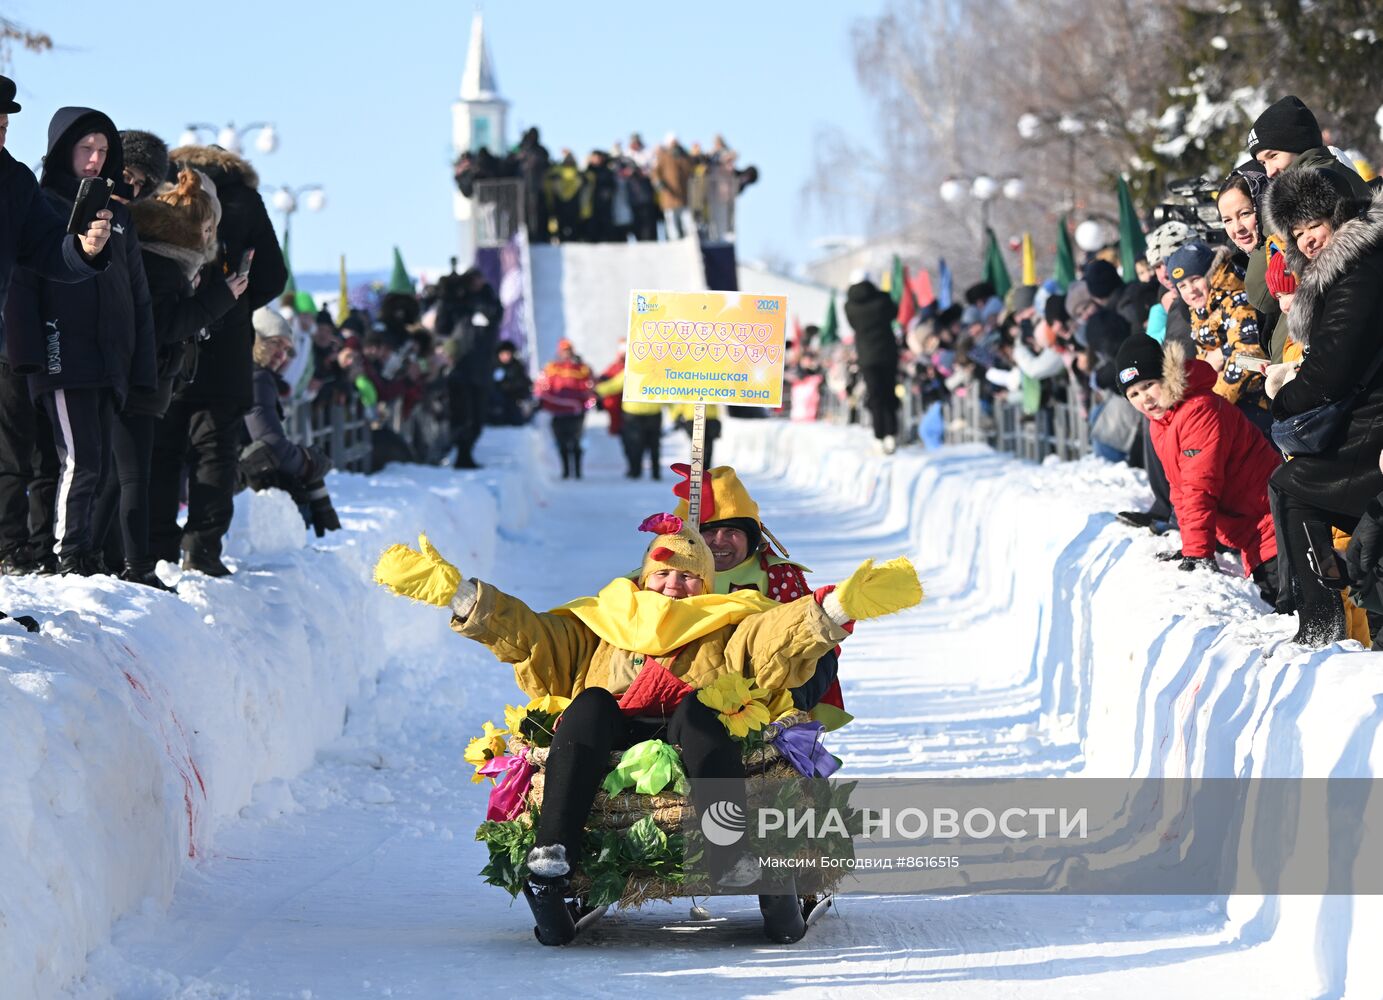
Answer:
(361, 94)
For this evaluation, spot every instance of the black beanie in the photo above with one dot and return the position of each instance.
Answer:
(1102, 278)
(1289, 126)
(147, 152)
(1139, 358)
(1055, 311)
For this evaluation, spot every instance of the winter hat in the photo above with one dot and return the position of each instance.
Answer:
(1102, 279)
(1287, 125)
(978, 295)
(1301, 196)
(723, 496)
(1019, 298)
(1077, 298)
(147, 153)
(677, 547)
(304, 303)
(1190, 261)
(860, 275)
(324, 318)
(1279, 279)
(7, 92)
(1139, 358)
(1165, 239)
(269, 325)
(1055, 311)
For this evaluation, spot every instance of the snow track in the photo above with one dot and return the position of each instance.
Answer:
(1050, 644)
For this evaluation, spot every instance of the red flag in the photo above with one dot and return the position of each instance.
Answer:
(922, 288)
(907, 305)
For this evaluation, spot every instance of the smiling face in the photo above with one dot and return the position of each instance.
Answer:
(1313, 237)
(730, 546)
(1146, 397)
(1195, 291)
(89, 154)
(674, 583)
(1240, 219)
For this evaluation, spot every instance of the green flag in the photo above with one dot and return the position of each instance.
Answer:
(995, 270)
(1065, 254)
(828, 333)
(1132, 246)
(399, 281)
(898, 282)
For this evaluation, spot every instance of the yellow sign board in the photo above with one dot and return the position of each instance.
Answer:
(705, 347)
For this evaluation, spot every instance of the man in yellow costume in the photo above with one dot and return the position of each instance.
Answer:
(745, 559)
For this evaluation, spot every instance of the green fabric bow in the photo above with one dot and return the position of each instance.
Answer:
(650, 767)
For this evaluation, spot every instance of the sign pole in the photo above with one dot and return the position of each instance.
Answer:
(698, 465)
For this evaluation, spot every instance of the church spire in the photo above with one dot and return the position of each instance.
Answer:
(478, 81)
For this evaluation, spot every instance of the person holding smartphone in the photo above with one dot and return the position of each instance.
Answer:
(89, 345)
(33, 235)
(201, 430)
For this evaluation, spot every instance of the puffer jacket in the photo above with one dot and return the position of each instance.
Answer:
(870, 312)
(1217, 464)
(557, 653)
(565, 388)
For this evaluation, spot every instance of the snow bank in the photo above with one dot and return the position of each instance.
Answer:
(136, 722)
(1108, 664)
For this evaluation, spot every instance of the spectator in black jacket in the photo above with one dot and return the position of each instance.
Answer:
(33, 235)
(469, 313)
(89, 346)
(272, 458)
(177, 229)
(512, 389)
(870, 313)
(203, 424)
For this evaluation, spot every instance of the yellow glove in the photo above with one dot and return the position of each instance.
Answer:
(873, 591)
(423, 576)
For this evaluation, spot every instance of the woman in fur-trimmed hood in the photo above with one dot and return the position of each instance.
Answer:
(1335, 248)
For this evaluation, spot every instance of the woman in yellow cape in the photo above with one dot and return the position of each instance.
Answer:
(629, 657)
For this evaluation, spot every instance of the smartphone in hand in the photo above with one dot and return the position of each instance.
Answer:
(246, 259)
(1250, 363)
(92, 195)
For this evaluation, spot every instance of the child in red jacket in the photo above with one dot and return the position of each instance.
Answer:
(1217, 463)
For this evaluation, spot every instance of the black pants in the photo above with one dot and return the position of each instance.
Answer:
(1293, 518)
(204, 438)
(566, 429)
(127, 492)
(593, 727)
(1157, 476)
(468, 405)
(28, 469)
(81, 421)
(880, 385)
(642, 435)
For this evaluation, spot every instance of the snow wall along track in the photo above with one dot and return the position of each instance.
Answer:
(1101, 662)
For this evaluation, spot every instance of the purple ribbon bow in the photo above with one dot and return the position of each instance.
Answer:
(801, 747)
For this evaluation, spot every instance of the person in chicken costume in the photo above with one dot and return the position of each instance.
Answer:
(631, 659)
(748, 557)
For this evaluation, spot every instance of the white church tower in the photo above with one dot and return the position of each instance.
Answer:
(477, 121)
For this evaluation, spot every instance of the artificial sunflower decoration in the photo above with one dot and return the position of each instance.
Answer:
(484, 748)
(741, 706)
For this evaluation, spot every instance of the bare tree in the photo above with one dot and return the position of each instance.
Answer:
(12, 33)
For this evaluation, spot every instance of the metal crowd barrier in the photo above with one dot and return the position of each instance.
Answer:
(339, 427)
(1058, 429)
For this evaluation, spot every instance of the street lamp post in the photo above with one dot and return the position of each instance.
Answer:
(289, 199)
(1035, 128)
(983, 189)
(228, 136)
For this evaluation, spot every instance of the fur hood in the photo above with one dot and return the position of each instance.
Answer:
(1182, 378)
(158, 222)
(1354, 239)
(1222, 275)
(220, 164)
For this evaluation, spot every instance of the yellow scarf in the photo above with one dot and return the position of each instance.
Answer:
(642, 621)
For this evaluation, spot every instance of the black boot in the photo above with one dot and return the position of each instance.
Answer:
(1322, 621)
(782, 913)
(143, 573)
(576, 462)
(566, 464)
(553, 923)
(195, 560)
(82, 564)
(1266, 579)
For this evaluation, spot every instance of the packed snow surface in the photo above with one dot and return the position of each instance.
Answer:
(263, 774)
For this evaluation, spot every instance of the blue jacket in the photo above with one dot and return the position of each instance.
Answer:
(34, 235)
(99, 334)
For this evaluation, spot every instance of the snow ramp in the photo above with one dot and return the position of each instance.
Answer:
(581, 290)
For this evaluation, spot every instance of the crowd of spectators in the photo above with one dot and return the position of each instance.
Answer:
(1241, 366)
(626, 192)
